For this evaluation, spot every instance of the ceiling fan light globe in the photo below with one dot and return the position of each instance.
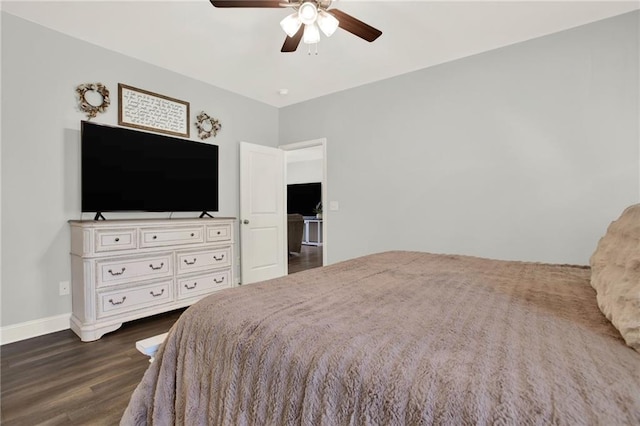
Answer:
(291, 24)
(327, 23)
(308, 13)
(311, 34)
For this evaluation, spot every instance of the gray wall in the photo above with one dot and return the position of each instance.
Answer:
(41, 148)
(304, 171)
(525, 152)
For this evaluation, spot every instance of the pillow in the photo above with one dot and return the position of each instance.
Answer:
(615, 275)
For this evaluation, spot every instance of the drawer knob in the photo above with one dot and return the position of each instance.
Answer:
(192, 234)
(118, 303)
(218, 259)
(155, 237)
(218, 282)
(218, 232)
(117, 239)
(190, 288)
(190, 263)
(155, 268)
(156, 295)
(115, 274)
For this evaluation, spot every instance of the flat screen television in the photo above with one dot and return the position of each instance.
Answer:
(128, 170)
(303, 198)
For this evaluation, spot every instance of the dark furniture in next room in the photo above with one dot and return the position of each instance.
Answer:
(295, 225)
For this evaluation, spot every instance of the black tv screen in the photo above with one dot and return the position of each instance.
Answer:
(128, 170)
(303, 198)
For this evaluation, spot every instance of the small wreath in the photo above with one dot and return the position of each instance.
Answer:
(207, 126)
(86, 106)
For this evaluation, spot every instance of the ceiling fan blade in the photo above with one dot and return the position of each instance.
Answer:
(291, 43)
(248, 3)
(355, 26)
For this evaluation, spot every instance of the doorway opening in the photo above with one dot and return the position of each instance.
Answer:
(305, 194)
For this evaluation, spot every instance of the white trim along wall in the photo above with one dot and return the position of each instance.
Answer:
(27, 330)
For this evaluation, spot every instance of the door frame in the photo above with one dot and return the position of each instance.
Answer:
(325, 203)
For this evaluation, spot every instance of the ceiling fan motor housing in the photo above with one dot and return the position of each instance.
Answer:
(308, 12)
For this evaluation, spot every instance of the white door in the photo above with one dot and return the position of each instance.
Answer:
(262, 217)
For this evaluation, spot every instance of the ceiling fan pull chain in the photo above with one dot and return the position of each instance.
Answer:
(309, 49)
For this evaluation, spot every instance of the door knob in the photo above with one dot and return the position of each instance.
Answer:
(246, 222)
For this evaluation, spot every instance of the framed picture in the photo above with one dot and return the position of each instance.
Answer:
(146, 110)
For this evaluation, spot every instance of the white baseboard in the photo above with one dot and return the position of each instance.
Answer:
(27, 330)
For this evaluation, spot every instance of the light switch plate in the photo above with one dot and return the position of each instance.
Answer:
(334, 206)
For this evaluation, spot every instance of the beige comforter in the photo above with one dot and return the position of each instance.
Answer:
(396, 338)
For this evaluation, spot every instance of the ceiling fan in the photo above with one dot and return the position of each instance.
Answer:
(309, 15)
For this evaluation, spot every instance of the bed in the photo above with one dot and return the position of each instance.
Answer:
(407, 338)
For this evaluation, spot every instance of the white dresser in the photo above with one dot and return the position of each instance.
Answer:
(123, 270)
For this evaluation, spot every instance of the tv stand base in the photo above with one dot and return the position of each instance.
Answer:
(203, 214)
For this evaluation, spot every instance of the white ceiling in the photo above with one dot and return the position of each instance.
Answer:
(239, 49)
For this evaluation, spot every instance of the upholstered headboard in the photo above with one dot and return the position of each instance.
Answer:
(615, 275)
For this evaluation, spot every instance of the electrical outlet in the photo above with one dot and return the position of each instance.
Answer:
(64, 288)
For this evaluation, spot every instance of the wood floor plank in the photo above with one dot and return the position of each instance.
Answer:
(76, 373)
(308, 258)
(58, 380)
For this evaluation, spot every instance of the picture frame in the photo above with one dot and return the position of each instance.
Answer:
(142, 109)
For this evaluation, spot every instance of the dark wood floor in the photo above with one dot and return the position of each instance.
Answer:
(309, 257)
(58, 380)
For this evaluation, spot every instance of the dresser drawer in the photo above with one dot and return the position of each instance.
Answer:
(219, 232)
(202, 284)
(131, 269)
(115, 239)
(131, 299)
(171, 237)
(203, 260)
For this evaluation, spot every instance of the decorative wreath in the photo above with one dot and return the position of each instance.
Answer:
(207, 126)
(85, 106)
